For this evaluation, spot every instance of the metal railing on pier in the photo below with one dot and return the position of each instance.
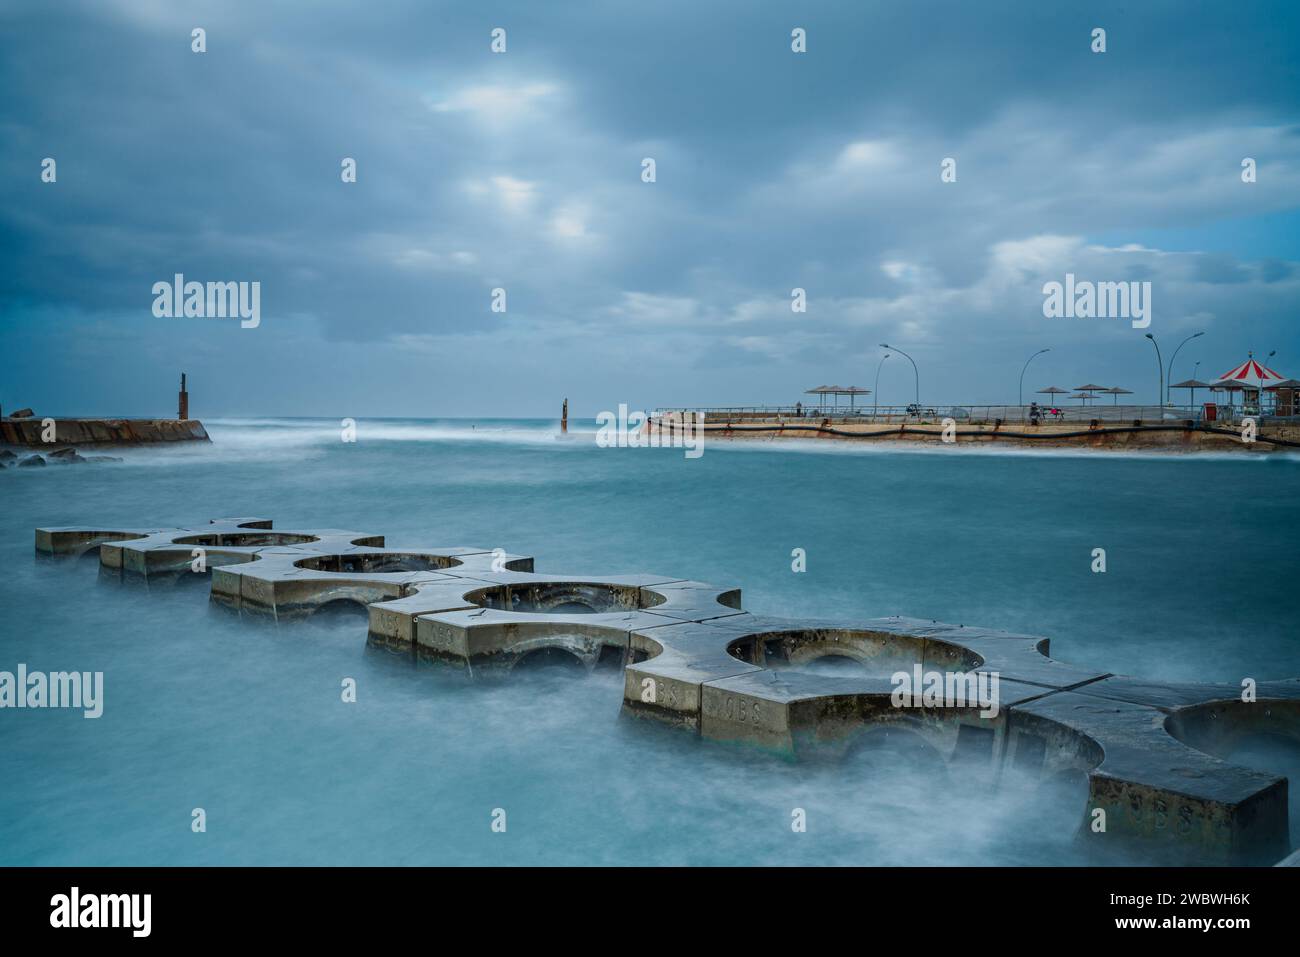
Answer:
(982, 414)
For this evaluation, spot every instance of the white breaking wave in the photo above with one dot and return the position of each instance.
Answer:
(235, 433)
(259, 439)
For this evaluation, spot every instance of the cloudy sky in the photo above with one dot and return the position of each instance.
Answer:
(523, 170)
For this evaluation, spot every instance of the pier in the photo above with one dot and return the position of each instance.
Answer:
(100, 432)
(1099, 427)
(26, 428)
(1150, 755)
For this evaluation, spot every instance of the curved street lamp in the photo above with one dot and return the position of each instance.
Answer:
(885, 345)
(875, 406)
(1160, 364)
(1021, 398)
(1170, 377)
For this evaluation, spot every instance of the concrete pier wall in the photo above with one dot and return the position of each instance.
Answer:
(1149, 435)
(101, 432)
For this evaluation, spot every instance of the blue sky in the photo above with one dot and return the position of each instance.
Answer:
(522, 170)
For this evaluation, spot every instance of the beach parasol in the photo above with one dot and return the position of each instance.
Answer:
(821, 391)
(1089, 389)
(1053, 391)
(1117, 392)
(853, 390)
(1192, 384)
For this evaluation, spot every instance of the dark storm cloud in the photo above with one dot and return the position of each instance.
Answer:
(523, 171)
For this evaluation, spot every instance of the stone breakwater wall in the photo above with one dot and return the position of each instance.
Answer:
(1148, 436)
(1152, 762)
(101, 432)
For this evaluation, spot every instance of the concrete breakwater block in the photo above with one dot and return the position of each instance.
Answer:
(510, 618)
(1156, 758)
(31, 432)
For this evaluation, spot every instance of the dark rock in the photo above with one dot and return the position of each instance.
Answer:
(102, 458)
(7, 456)
(32, 460)
(22, 414)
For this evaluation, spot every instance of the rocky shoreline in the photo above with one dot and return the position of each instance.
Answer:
(60, 456)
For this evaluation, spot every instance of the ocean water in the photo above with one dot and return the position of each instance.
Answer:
(246, 721)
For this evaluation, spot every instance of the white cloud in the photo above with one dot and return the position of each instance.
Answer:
(569, 222)
(415, 258)
(866, 155)
(515, 195)
(494, 102)
(650, 310)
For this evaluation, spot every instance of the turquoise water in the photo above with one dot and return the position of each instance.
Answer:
(247, 723)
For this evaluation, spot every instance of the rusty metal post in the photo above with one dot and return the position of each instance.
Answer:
(564, 417)
(183, 411)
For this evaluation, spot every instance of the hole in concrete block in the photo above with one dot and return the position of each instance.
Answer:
(564, 598)
(886, 749)
(551, 661)
(832, 665)
(973, 744)
(1030, 752)
(611, 658)
(340, 609)
(244, 539)
(377, 563)
(876, 653)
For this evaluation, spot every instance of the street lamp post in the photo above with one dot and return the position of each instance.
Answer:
(1160, 364)
(1170, 377)
(875, 406)
(1021, 394)
(915, 372)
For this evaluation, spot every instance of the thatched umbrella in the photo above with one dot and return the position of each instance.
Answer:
(1192, 384)
(1088, 389)
(821, 391)
(1117, 392)
(852, 390)
(1053, 392)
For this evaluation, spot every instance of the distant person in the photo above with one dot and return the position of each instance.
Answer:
(798, 410)
(1034, 413)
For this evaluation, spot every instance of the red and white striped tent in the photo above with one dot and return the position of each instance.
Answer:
(1251, 374)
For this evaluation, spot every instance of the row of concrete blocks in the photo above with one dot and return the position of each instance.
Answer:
(693, 659)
